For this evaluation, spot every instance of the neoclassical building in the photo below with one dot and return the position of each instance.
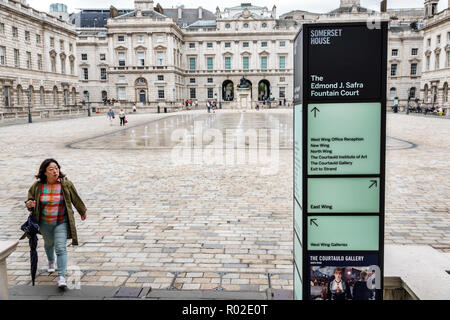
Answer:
(436, 68)
(155, 56)
(37, 59)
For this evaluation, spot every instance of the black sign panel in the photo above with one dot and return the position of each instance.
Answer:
(350, 63)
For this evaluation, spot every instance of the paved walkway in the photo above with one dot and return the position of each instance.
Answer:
(152, 223)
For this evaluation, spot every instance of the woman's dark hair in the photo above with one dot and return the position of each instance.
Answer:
(44, 165)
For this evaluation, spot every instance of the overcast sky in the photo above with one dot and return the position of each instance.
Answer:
(282, 5)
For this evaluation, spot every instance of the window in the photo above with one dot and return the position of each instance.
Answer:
(70, 47)
(394, 69)
(192, 45)
(193, 93)
(246, 63)
(282, 44)
(282, 62)
(394, 52)
(448, 59)
(264, 25)
(210, 93)
(102, 73)
(41, 96)
(438, 40)
(39, 61)
(282, 92)
(428, 63)
(412, 93)
(282, 79)
(246, 25)
(413, 69)
(392, 93)
(191, 63)
(16, 58)
(160, 58)
(140, 38)
(141, 60)
(6, 95)
(160, 78)
(121, 58)
(448, 37)
(2, 56)
(227, 44)
(85, 74)
(27, 36)
(429, 42)
(121, 93)
(72, 66)
(15, 32)
(2, 28)
(102, 57)
(246, 44)
(414, 51)
(264, 63)
(209, 45)
(210, 63)
(192, 80)
(210, 80)
(446, 92)
(28, 60)
(121, 38)
(161, 94)
(264, 44)
(227, 26)
(437, 58)
(38, 39)
(53, 63)
(84, 56)
(52, 42)
(227, 63)
(61, 45)
(63, 65)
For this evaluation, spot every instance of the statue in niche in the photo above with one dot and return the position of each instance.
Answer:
(244, 84)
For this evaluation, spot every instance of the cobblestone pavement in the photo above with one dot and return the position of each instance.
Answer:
(198, 227)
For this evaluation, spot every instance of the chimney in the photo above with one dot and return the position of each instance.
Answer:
(383, 7)
(200, 13)
(180, 13)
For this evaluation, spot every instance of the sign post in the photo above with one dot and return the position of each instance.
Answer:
(339, 161)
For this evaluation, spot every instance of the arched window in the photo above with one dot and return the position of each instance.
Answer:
(392, 93)
(445, 92)
(19, 95)
(412, 93)
(66, 97)
(55, 96)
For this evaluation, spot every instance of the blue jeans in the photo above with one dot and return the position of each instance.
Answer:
(55, 238)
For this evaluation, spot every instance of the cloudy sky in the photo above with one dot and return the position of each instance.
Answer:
(282, 5)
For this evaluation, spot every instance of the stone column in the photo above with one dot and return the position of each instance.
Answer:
(6, 248)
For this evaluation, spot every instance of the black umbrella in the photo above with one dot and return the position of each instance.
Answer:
(31, 228)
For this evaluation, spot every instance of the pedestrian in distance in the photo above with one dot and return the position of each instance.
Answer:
(50, 200)
(208, 106)
(395, 104)
(110, 115)
(134, 108)
(122, 117)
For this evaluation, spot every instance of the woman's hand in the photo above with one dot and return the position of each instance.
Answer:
(30, 204)
(83, 217)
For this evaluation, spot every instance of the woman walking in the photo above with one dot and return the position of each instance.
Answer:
(50, 200)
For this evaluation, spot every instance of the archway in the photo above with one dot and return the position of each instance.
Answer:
(263, 90)
(228, 90)
(142, 96)
(104, 96)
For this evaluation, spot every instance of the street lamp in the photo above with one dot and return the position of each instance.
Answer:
(28, 91)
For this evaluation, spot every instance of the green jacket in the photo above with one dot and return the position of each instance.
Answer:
(70, 197)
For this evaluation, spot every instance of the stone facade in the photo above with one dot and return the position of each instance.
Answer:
(155, 56)
(37, 52)
(436, 67)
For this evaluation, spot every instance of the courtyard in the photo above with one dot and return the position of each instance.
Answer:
(154, 221)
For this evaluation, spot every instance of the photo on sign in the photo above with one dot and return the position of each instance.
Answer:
(343, 277)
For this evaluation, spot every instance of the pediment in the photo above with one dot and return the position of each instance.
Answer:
(121, 48)
(264, 53)
(140, 48)
(227, 53)
(53, 53)
(160, 47)
(246, 53)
